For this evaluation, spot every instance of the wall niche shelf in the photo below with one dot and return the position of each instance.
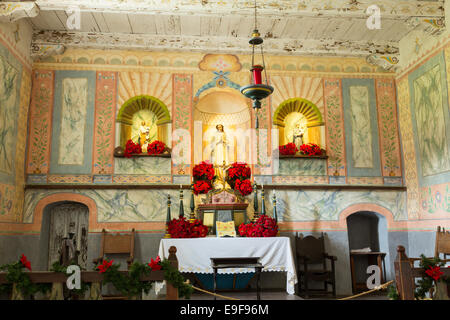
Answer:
(119, 153)
(302, 156)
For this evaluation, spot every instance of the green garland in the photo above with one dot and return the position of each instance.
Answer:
(427, 282)
(174, 277)
(57, 267)
(15, 275)
(128, 284)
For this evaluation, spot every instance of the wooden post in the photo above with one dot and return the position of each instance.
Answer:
(57, 292)
(403, 275)
(95, 291)
(172, 292)
(16, 293)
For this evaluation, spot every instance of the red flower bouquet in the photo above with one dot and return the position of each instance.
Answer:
(203, 171)
(155, 264)
(202, 187)
(238, 175)
(288, 149)
(132, 147)
(182, 228)
(156, 147)
(25, 262)
(263, 227)
(244, 187)
(310, 149)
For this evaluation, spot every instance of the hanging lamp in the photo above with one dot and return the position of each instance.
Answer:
(257, 90)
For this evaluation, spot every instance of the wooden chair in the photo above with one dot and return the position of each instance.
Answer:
(441, 248)
(311, 251)
(116, 244)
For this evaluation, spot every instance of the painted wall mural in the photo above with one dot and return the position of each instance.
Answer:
(10, 73)
(361, 128)
(73, 121)
(424, 126)
(15, 87)
(430, 113)
(362, 155)
(151, 205)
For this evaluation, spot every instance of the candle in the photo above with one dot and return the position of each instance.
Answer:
(181, 186)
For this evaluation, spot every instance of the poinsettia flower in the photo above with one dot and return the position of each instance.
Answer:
(25, 262)
(434, 272)
(105, 266)
(155, 264)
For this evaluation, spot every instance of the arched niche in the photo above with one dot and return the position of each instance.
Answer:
(229, 108)
(146, 109)
(299, 111)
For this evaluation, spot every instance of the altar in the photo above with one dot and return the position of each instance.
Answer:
(194, 254)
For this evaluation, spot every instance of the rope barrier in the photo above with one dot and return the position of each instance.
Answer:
(214, 294)
(377, 288)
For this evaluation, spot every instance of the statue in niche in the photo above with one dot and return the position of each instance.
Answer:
(297, 135)
(219, 156)
(144, 136)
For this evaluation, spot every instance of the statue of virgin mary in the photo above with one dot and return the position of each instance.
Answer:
(219, 154)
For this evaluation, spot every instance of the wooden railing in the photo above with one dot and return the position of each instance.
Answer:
(405, 274)
(94, 278)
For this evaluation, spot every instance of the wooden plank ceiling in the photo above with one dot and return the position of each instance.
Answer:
(302, 27)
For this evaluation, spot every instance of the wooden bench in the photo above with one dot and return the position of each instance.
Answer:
(405, 274)
(95, 279)
(238, 262)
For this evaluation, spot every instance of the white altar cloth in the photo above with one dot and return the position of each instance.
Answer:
(194, 254)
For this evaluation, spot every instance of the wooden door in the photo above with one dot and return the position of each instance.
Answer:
(65, 218)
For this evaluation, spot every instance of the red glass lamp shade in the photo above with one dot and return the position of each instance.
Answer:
(257, 70)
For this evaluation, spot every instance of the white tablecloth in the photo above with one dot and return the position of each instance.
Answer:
(194, 254)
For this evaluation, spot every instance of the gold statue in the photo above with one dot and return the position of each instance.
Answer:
(144, 136)
(219, 157)
(297, 135)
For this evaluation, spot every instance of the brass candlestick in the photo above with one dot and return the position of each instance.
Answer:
(275, 217)
(181, 202)
(192, 215)
(167, 235)
(255, 204)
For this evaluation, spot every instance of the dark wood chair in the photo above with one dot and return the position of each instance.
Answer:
(113, 244)
(441, 248)
(311, 251)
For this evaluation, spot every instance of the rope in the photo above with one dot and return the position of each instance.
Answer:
(377, 288)
(214, 294)
(383, 286)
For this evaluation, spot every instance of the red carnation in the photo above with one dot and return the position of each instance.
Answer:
(244, 187)
(263, 227)
(310, 149)
(132, 147)
(202, 187)
(156, 147)
(288, 149)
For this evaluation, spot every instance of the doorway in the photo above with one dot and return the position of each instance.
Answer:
(68, 228)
